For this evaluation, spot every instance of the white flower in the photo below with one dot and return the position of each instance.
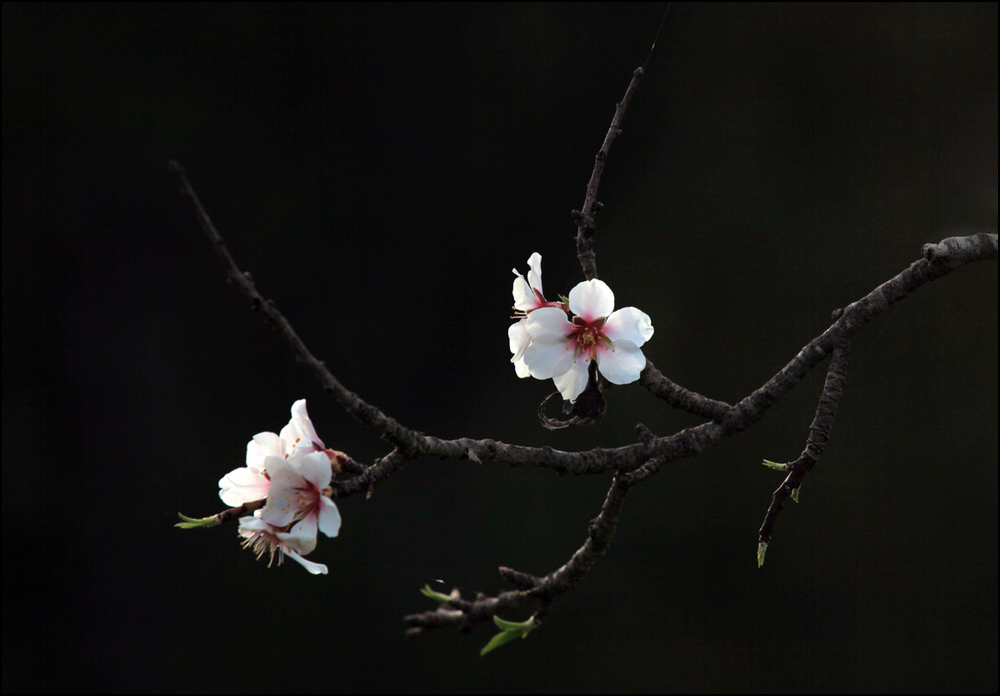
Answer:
(261, 537)
(562, 349)
(300, 490)
(249, 483)
(527, 298)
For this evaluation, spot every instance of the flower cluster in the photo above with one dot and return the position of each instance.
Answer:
(548, 342)
(291, 472)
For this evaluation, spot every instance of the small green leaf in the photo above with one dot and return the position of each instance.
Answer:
(509, 631)
(498, 640)
(525, 626)
(795, 493)
(564, 299)
(195, 522)
(776, 465)
(761, 550)
(426, 591)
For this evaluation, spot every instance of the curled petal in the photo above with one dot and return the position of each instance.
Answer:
(622, 363)
(535, 274)
(300, 431)
(629, 324)
(591, 300)
(314, 568)
(524, 298)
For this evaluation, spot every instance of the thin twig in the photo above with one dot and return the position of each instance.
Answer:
(464, 613)
(819, 435)
(584, 218)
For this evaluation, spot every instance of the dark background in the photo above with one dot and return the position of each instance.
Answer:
(380, 169)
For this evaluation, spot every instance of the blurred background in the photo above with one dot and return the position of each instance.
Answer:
(380, 169)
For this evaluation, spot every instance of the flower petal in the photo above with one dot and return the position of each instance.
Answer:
(545, 354)
(535, 274)
(314, 568)
(265, 445)
(329, 517)
(300, 431)
(548, 320)
(629, 324)
(519, 339)
(243, 485)
(302, 536)
(282, 497)
(591, 300)
(572, 382)
(622, 363)
(524, 298)
(313, 467)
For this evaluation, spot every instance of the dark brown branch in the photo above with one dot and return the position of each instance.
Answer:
(584, 218)
(634, 463)
(819, 435)
(679, 397)
(464, 613)
(947, 256)
(366, 413)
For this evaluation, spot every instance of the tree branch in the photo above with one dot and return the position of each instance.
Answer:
(819, 435)
(464, 613)
(584, 219)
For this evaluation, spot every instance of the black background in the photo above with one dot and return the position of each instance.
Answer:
(380, 169)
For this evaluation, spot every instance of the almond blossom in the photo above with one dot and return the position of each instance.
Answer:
(527, 298)
(250, 483)
(562, 349)
(261, 537)
(300, 492)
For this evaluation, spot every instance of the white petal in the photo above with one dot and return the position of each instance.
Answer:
(519, 339)
(251, 524)
(314, 568)
(282, 497)
(548, 320)
(302, 536)
(300, 431)
(329, 517)
(591, 300)
(629, 324)
(524, 299)
(545, 354)
(521, 368)
(264, 445)
(313, 467)
(572, 382)
(535, 274)
(622, 363)
(243, 485)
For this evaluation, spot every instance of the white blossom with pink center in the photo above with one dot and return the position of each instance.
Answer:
(261, 537)
(249, 484)
(527, 298)
(563, 349)
(300, 492)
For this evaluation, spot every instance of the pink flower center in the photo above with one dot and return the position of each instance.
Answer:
(587, 336)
